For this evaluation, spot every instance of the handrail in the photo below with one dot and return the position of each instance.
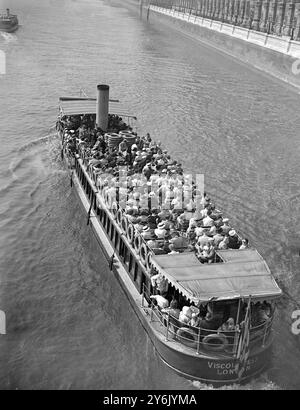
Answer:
(231, 335)
(230, 346)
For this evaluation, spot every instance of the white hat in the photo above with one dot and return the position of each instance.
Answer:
(225, 220)
(161, 225)
(146, 228)
(232, 232)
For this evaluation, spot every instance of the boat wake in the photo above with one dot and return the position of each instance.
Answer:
(28, 151)
(261, 383)
(31, 160)
(8, 37)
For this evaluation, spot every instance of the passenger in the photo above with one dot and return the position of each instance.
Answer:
(233, 242)
(195, 219)
(195, 320)
(199, 231)
(160, 284)
(161, 231)
(210, 322)
(173, 309)
(264, 312)
(177, 241)
(245, 244)
(160, 301)
(185, 315)
(205, 199)
(147, 171)
(148, 138)
(224, 243)
(218, 237)
(144, 216)
(164, 214)
(207, 255)
(147, 233)
(212, 231)
(228, 326)
(192, 237)
(208, 221)
(152, 219)
(153, 243)
(166, 244)
(130, 215)
(203, 240)
(225, 227)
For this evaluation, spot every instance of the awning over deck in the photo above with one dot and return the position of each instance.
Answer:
(81, 105)
(243, 274)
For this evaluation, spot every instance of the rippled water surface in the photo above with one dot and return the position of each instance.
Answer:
(68, 323)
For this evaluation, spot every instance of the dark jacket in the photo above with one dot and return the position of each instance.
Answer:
(233, 242)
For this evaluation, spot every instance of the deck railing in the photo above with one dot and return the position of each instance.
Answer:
(200, 339)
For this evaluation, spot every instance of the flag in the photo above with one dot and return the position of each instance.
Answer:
(243, 349)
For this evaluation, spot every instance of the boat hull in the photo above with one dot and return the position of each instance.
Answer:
(187, 363)
(211, 369)
(9, 29)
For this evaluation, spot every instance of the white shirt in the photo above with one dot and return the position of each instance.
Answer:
(207, 221)
(161, 301)
(160, 233)
(159, 282)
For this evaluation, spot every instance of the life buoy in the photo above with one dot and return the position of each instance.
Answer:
(119, 216)
(130, 233)
(124, 224)
(137, 243)
(114, 209)
(209, 342)
(187, 337)
(149, 262)
(143, 254)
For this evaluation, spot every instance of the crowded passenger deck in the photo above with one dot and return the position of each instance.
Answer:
(206, 283)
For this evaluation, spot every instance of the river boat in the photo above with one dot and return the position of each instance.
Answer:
(8, 22)
(235, 285)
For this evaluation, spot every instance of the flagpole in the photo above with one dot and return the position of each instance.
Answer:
(243, 344)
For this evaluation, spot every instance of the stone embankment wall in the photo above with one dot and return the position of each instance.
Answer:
(276, 55)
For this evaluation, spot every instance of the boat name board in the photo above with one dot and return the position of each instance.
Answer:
(230, 367)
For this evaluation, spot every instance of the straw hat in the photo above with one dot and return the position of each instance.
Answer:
(161, 225)
(198, 216)
(232, 232)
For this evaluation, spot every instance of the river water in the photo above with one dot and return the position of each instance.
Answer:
(68, 323)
